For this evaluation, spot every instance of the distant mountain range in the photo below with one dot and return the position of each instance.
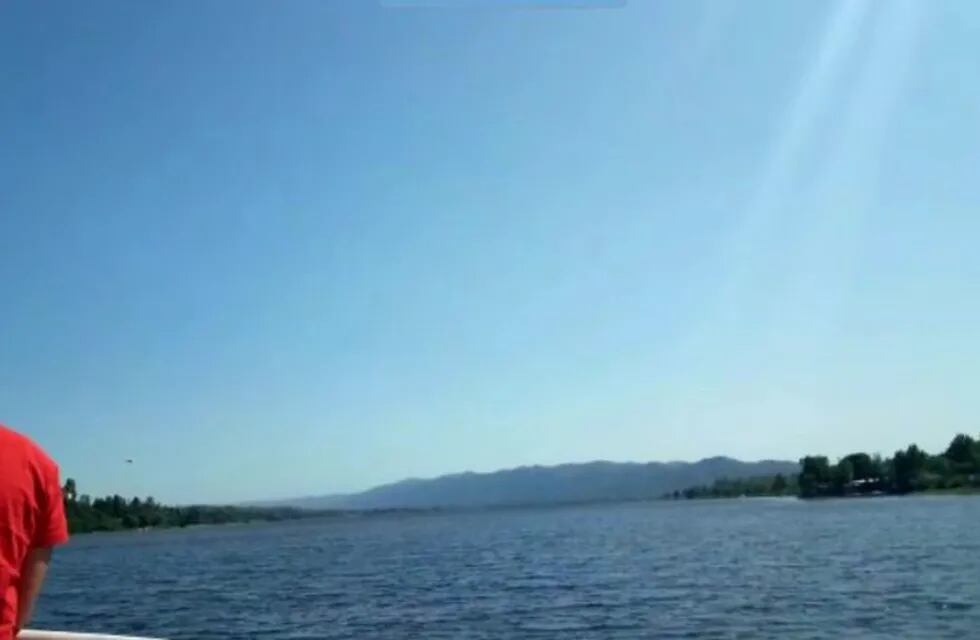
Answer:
(566, 483)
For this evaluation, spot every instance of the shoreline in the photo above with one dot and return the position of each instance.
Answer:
(356, 514)
(959, 491)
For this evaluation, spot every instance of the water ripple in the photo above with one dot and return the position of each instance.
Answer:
(740, 569)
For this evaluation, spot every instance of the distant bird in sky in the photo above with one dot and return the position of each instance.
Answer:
(129, 461)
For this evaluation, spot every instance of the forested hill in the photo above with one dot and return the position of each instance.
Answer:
(909, 470)
(567, 483)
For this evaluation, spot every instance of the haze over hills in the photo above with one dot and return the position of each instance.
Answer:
(584, 482)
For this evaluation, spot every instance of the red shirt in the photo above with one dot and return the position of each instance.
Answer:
(32, 514)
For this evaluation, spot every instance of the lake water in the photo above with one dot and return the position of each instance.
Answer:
(862, 568)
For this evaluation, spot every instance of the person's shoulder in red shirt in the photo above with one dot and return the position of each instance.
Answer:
(32, 521)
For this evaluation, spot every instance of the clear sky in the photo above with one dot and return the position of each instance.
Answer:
(273, 249)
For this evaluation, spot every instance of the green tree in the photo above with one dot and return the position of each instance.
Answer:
(842, 475)
(118, 506)
(779, 484)
(936, 473)
(862, 465)
(879, 466)
(907, 466)
(938, 466)
(814, 476)
(69, 490)
(961, 452)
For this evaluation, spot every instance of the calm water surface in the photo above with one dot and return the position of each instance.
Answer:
(880, 568)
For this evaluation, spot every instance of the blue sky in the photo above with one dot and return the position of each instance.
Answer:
(274, 249)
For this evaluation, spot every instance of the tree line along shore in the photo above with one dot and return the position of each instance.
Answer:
(116, 513)
(909, 470)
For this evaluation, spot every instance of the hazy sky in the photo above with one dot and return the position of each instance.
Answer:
(284, 248)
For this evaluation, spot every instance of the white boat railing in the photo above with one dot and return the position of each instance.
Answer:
(37, 634)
